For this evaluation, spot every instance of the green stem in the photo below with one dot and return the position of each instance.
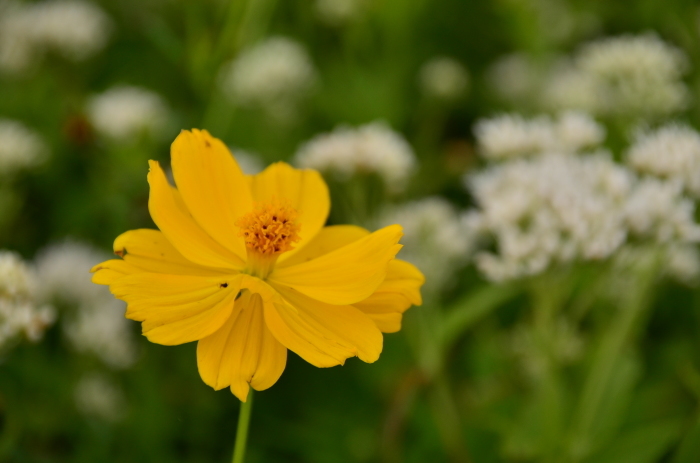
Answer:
(242, 432)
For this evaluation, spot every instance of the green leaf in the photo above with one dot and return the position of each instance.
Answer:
(644, 444)
(689, 450)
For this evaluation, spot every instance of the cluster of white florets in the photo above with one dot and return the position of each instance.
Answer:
(512, 135)
(272, 75)
(631, 76)
(20, 147)
(371, 148)
(671, 152)
(122, 113)
(97, 324)
(437, 239)
(443, 78)
(20, 315)
(74, 29)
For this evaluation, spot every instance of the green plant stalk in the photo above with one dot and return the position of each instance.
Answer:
(242, 430)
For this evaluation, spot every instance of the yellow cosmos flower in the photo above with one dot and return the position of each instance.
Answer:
(244, 265)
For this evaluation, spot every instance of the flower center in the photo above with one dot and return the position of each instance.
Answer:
(268, 231)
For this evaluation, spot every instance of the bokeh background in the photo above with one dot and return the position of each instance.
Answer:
(542, 156)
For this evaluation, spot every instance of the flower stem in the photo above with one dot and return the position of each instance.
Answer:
(242, 431)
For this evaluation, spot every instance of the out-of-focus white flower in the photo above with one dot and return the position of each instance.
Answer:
(273, 75)
(371, 148)
(73, 28)
(249, 163)
(515, 78)
(98, 325)
(511, 135)
(444, 78)
(337, 12)
(124, 112)
(550, 209)
(20, 147)
(98, 397)
(683, 263)
(658, 210)
(19, 314)
(671, 152)
(436, 238)
(633, 76)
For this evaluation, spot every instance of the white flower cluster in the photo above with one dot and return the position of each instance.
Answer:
(371, 148)
(550, 209)
(20, 147)
(73, 28)
(98, 397)
(436, 238)
(273, 75)
(511, 135)
(98, 325)
(122, 113)
(443, 78)
(671, 152)
(632, 76)
(516, 78)
(19, 313)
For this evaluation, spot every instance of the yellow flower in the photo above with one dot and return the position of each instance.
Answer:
(244, 265)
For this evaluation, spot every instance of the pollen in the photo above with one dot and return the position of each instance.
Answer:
(270, 229)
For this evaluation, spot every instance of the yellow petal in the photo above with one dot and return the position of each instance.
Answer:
(176, 309)
(212, 186)
(395, 295)
(304, 189)
(322, 334)
(326, 240)
(346, 275)
(242, 351)
(175, 221)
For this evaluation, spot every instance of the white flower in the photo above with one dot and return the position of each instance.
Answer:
(73, 28)
(123, 112)
(19, 313)
(436, 238)
(633, 76)
(371, 148)
(98, 325)
(98, 397)
(550, 209)
(274, 75)
(337, 12)
(444, 78)
(511, 135)
(683, 263)
(20, 147)
(671, 152)
(515, 78)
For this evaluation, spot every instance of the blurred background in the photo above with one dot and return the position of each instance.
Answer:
(542, 156)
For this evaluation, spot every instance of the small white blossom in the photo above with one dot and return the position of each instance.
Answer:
(671, 152)
(444, 78)
(683, 263)
(123, 112)
(98, 397)
(97, 325)
(273, 74)
(511, 135)
(19, 313)
(631, 76)
(371, 148)
(436, 238)
(17, 52)
(20, 147)
(515, 78)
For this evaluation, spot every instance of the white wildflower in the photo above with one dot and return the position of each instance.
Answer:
(273, 75)
(632, 76)
(436, 238)
(19, 313)
(515, 78)
(511, 135)
(550, 209)
(371, 148)
(98, 397)
(124, 112)
(444, 78)
(671, 152)
(20, 147)
(97, 325)
(683, 263)
(17, 52)
(337, 12)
